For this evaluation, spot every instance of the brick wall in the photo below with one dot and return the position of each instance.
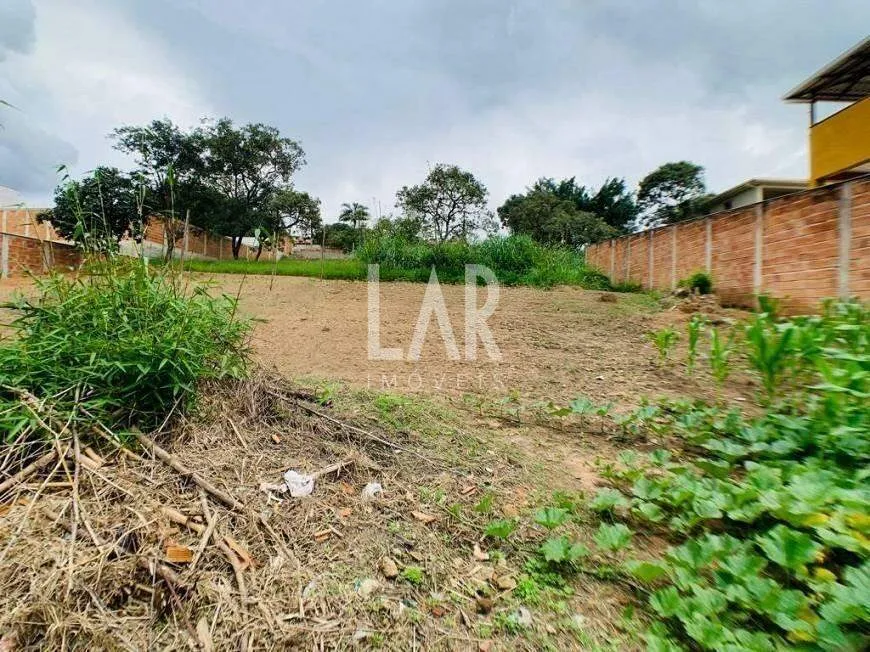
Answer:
(800, 248)
(198, 243)
(28, 246)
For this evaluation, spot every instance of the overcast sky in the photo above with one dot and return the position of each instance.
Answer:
(378, 90)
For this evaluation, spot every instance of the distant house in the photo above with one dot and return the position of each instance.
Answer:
(8, 197)
(754, 191)
(840, 143)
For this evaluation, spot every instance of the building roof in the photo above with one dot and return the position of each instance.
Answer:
(777, 184)
(845, 79)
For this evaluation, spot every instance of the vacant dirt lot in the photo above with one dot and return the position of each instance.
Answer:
(554, 344)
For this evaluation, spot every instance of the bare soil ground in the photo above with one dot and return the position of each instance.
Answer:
(470, 441)
(555, 344)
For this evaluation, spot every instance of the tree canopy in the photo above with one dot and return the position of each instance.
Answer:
(97, 211)
(295, 209)
(450, 203)
(672, 193)
(226, 176)
(567, 213)
(355, 214)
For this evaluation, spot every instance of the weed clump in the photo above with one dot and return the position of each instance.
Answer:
(117, 348)
(700, 282)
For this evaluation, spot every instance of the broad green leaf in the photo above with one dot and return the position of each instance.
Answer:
(551, 517)
(647, 571)
(612, 537)
(788, 548)
(606, 499)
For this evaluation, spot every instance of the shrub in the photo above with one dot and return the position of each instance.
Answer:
(515, 260)
(701, 282)
(121, 347)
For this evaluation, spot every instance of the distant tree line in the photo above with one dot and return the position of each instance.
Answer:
(237, 181)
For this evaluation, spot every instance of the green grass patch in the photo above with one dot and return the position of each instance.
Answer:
(515, 260)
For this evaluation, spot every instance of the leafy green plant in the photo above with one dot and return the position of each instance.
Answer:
(120, 347)
(700, 282)
(769, 350)
(500, 529)
(413, 575)
(561, 550)
(485, 504)
(551, 517)
(720, 354)
(612, 537)
(606, 500)
(664, 340)
(770, 511)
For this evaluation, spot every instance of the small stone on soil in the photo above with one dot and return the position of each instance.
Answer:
(483, 605)
(388, 568)
(506, 583)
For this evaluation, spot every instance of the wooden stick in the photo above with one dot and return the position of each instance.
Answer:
(180, 518)
(206, 536)
(28, 471)
(238, 434)
(209, 531)
(332, 468)
(173, 462)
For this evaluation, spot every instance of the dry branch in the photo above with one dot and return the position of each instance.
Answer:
(28, 471)
(173, 462)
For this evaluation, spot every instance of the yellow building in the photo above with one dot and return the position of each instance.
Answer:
(839, 143)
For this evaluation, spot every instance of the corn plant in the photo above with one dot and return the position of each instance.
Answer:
(720, 355)
(769, 350)
(664, 339)
(694, 328)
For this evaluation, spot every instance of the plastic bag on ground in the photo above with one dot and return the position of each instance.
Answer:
(299, 484)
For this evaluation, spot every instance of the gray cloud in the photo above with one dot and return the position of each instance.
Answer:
(377, 90)
(30, 156)
(17, 19)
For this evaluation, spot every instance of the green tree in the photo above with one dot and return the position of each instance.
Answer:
(293, 208)
(340, 235)
(170, 160)
(97, 211)
(355, 214)
(564, 212)
(244, 167)
(451, 203)
(672, 193)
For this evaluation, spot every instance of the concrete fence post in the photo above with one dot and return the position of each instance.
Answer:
(708, 246)
(674, 257)
(759, 243)
(4, 248)
(844, 229)
(650, 260)
(612, 257)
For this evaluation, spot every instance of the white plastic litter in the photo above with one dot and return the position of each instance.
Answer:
(371, 490)
(299, 484)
